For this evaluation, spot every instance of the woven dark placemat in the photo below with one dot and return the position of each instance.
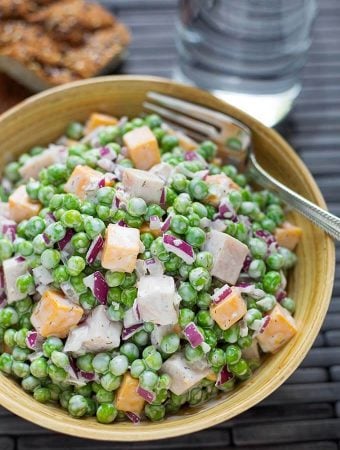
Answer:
(304, 414)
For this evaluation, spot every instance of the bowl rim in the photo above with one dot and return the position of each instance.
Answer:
(216, 414)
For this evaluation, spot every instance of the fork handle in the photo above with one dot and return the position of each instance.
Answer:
(323, 219)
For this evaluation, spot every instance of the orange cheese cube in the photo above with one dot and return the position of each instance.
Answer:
(143, 147)
(184, 141)
(288, 235)
(279, 330)
(21, 206)
(127, 398)
(230, 310)
(99, 120)
(211, 376)
(219, 186)
(55, 315)
(83, 179)
(121, 248)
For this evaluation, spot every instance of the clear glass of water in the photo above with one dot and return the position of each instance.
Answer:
(247, 52)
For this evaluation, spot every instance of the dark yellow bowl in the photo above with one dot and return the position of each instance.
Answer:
(42, 118)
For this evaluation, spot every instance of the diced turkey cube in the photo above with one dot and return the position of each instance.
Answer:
(142, 147)
(14, 268)
(228, 254)
(162, 170)
(34, 165)
(121, 248)
(219, 186)
(252, 353)
(228, 311)
(288, 235)
(83, 179)
(183, 374)
(127, 398)
(55, 315)
(156, 299)
(146, 185)
(21, 206)
(278, 331)
(4, 210)
(96, 334)
(99, 120)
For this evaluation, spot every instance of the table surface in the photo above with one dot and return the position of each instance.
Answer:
(305, 412)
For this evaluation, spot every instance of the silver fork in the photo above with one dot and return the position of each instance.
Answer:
(234, 140)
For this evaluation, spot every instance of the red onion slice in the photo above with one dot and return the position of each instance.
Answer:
(130, 331)
(194, 336)
(121, 223)
(133, 417)
(34, 340)
(221, 294)
(66, 239)
(101, 183)
(223, 376)
(179, 247)
(265, 323)
(96, 282)
(162, 200)
(50, 218)
(95, 247)
(225, 210)
(155, 223)
(9, 229)
(2, 278)
(148, 396)
(166, 223)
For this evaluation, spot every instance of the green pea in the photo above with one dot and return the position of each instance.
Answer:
(25, 283)
(266, 303)
(169, 142)
(153, 361)
(140, 338)
(199, 209)
(257, 269)
(240, 368)
(105, 195)
(55, 232)
(185, 316)
(129, 280)
(104, 396)
(32, 189)
(195, 236)
(148, 379)
(93, 227)
(114, 279)
(45, 194)
(195, 396)
(179, 224)
(130, 350)
(87, 300)
(85, 390)
(25, 248)
(60, 359)
(204, 319)
(208, 150)
(198, 189)
(187, 293)
(155, 412)
(258, 247)
(60, 274)
(289, 257)
(65, 398)
(275, 213)
(179, 183)
(170, 343)
(50, 258)
(6, 249)
(210, 337)
(75, 265)
(119, 365)
(203, 300)
(136, 207)
(57, 374)
(231, 335)
(77, 406)
(137, 368)
(80, 242)
(75, 130)
(8, 317)
(128, 297)
(193, 354)
(271, 281)
(289, 304)
(71, 202)
(275, 261)
(110, 382)
(88, 208)
(38, 368)
(147, 239)
(6, 362)
(52, 343)
(109, 134)
(216, 357)
(20, 369)
(84, 362)
(9, 337)
(199, 278)
(20, 337)
(100, 363)
(30, 383)
(12, 171)
(42, 394)
(157, 249)
(233, 354)
(39, 244)
(114, 295)
(245, 341)
(106, 413)
(268, 224)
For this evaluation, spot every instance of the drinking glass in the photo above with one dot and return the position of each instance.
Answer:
(248, 52)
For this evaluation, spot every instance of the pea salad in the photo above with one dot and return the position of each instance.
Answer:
(139, 273)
